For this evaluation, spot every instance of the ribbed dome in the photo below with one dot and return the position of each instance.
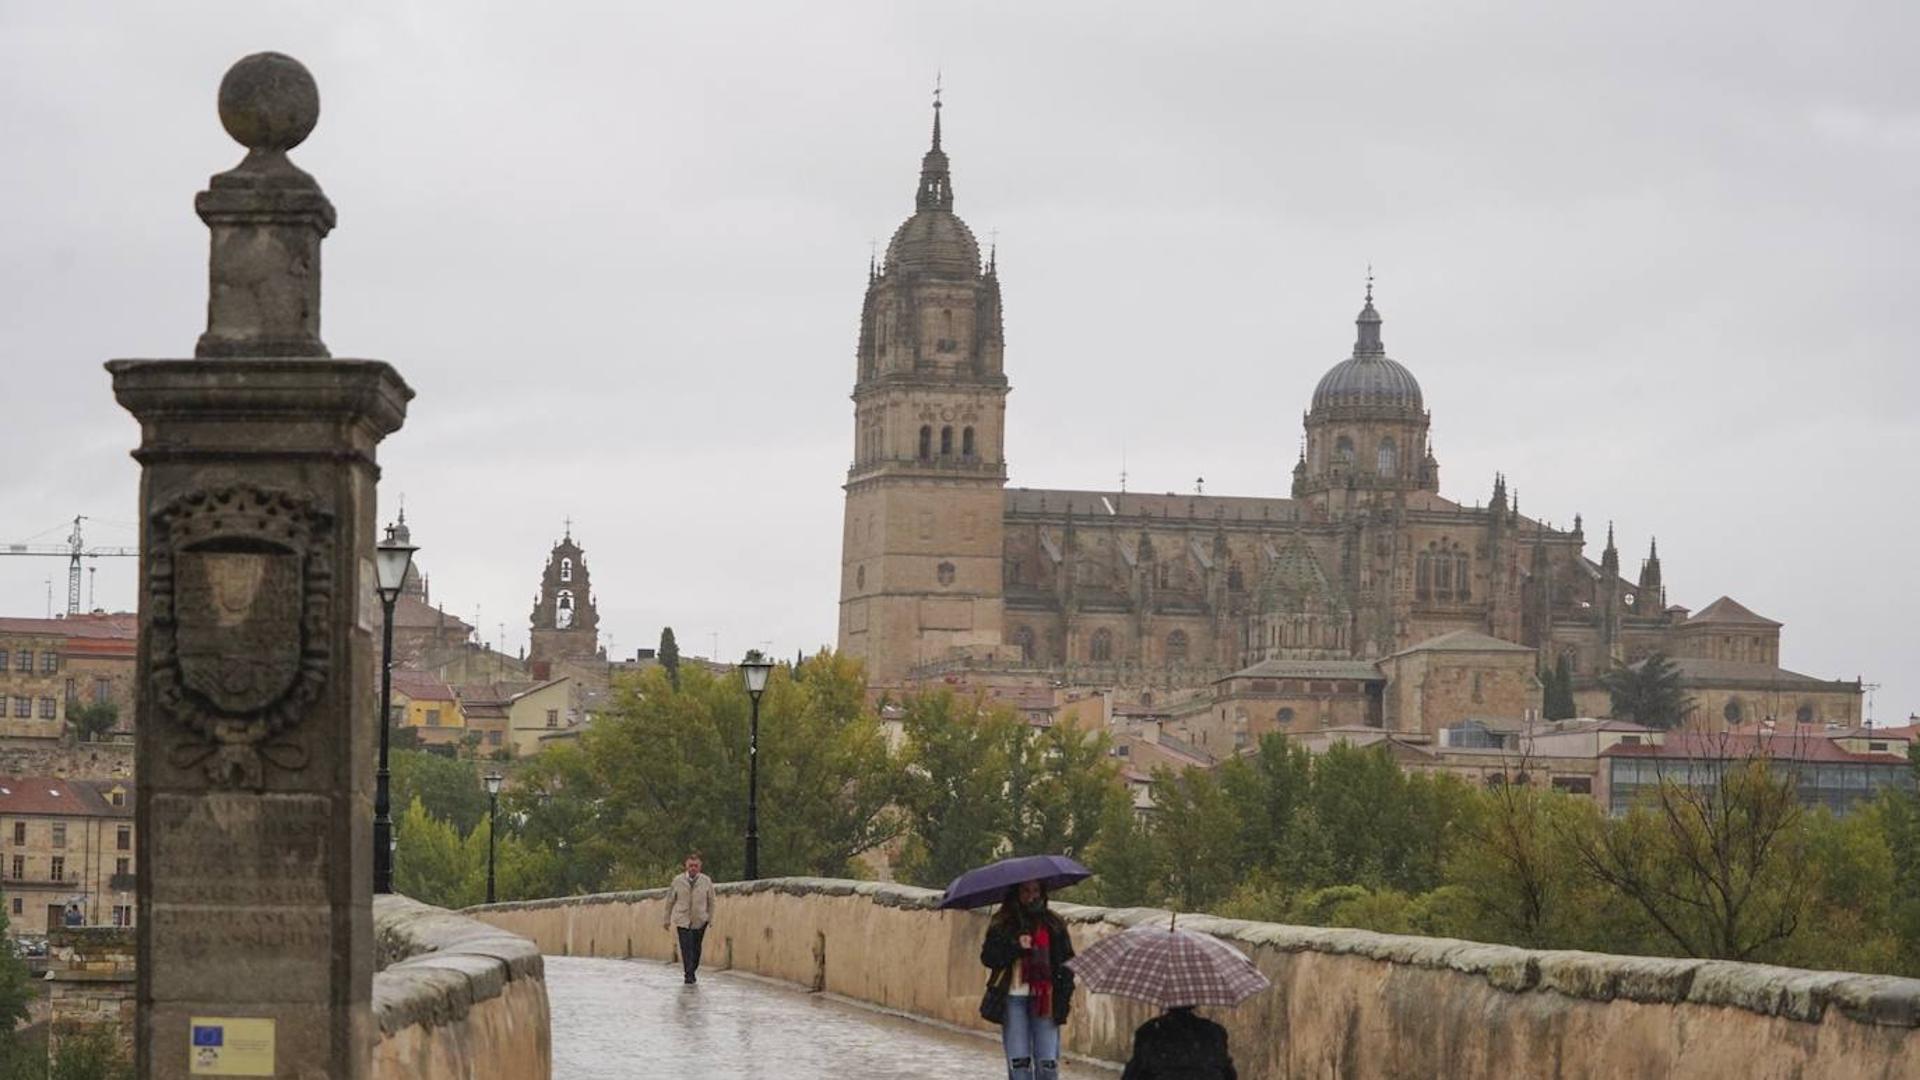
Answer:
(1368, 377)
(935, 241)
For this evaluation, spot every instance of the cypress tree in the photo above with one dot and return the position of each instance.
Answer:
(669, 656)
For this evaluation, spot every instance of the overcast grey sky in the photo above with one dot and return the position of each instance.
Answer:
(1653, 261)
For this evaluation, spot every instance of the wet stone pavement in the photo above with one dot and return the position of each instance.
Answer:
(618, 1019)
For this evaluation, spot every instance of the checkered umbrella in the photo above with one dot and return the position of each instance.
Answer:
(1168, 967)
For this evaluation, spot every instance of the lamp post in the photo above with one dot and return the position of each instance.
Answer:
(390, 563)
(493, 820)
(755, 668)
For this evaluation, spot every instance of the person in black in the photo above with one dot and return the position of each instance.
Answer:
(1177, 1045)
(1030, 990)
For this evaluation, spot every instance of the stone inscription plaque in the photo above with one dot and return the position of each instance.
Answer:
(226, 848)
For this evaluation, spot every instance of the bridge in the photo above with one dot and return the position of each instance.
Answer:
(807, 974)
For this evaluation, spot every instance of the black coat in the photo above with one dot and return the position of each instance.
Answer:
(1177, 1045)
(1002, 948)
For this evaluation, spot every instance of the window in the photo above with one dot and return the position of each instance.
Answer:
(553, 718)
(1102, 647)
(73, 692)
(23, 708)
(1284, 716)
(966, 443)
(59, 834)
(49, 662)
(1462, 576)
(19, 832)
(23, 661)
(566, 569)
(123, 838)
(1423, 577)
(1876, 748)
(1732, 711)
(3, 659)
(118, 796)
(944, 573)
(102, 690)
(19, 867)
(926, 442)
(1177, 647)
(49, 709)
(1343, 452)
(59, 869)
(946, 442)
(563, 610)
(123, 867)
(860, 577)
(1023, 637)
(1388, 461)
(433, 717)
(1478, 695)
(1573, 785)
(1804, 714)
(493, 738)
(1629, 740)
(123, 915)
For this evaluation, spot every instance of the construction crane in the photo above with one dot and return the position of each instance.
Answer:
(73, 551)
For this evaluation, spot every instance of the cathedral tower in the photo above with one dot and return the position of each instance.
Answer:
(921, 557)
(566, 620)
(1367, 429)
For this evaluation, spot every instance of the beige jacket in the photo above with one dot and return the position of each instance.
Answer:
(689, 903)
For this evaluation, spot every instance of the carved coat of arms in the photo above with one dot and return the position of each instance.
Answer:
(240, 583)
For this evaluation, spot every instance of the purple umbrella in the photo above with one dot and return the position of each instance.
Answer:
(988, 884)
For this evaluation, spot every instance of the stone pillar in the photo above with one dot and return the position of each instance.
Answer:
(255, 747)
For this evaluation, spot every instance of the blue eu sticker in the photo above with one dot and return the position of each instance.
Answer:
(208, 1034)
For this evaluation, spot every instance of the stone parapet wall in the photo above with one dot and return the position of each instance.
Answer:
(456, 997)
(67, 760)
(90, 983)
(1345, 1003)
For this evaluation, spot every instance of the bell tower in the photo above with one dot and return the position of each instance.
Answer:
(920, 567)
(566, 619)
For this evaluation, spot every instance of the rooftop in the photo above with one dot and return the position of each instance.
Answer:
(1363, 670)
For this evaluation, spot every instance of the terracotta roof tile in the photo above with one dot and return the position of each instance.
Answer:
(1730, 611)
(56, 797)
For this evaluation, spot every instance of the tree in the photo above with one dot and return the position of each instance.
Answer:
(1195, 829)
(1068, 781)
(429, 863)
(90, 1053)
(669, 656)
(449, 788)
(1124, 859)
(1514, 866)
(1716, 857)
(1557, 700)
(1648, 693)
(955, 791)
(16, 994)
(93, 722)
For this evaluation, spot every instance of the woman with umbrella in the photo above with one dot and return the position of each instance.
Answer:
(1029, 987)
(1176, 970)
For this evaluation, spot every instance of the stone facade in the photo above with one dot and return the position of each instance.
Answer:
(49, 667)
(945, 568)
(566, 620)
(67, 852)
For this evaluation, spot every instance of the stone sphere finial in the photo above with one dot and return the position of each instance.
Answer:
(269, 102)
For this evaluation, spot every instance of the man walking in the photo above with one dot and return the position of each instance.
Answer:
(689, 910)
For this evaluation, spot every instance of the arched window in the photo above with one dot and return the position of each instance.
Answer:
(1023, 637)
(566, 569)
(563, 609)
(1101, 649)
(1423, 577)
(1732, 711)
(966, 443)
(926, 442)
(1804, 714)
(1462, 578)
(1389, 458)
(1235, 581)
(946, 442)
(1177, 647)
(1442, 577)
(1343, 452)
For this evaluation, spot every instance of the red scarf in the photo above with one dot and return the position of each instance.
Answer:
(1037, 970)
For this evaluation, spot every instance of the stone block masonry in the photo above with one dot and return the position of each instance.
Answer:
(1345, 1003)
(90, 984)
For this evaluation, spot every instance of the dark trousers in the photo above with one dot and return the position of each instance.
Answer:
(690, 948)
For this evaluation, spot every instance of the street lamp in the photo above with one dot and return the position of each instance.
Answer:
(391, 559)
(493, 820)
(755, 668)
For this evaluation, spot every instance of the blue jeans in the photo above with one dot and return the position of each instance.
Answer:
(1032, 1043)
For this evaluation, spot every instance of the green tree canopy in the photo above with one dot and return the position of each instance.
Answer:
(1648, 693)
(669, 655)
(450, 788)
(955, 790)
(94, 721)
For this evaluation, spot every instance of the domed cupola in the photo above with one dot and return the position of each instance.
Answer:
(934, 240)
(1367, 427)
(1368, 377)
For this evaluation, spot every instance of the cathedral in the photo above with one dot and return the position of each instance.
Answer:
(945, 567)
